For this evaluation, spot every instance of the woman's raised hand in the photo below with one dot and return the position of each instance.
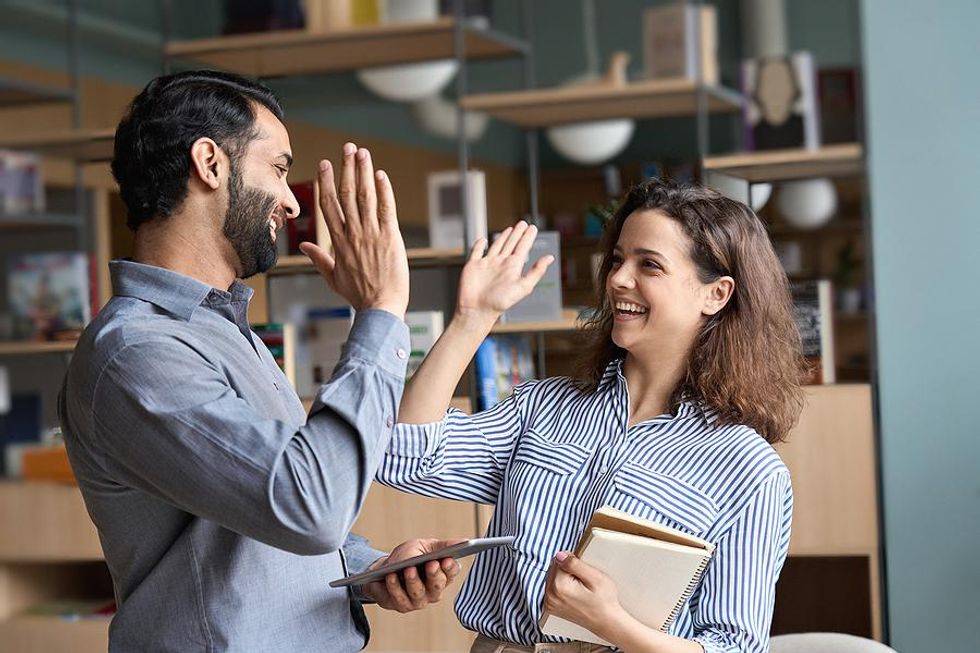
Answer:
(493, 282)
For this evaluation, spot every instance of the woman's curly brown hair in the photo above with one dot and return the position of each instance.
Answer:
(746, 363)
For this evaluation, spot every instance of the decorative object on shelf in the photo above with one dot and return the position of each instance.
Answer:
(303, 228)
(839, 96)
(597, 141)
(50, 295)
(280, 339)
(790, 255)
(4, 391)
(477, 12)
(807, 203)
(439, 117)
(544, 303)
(737, 189)
(446, 213)
(424, 328)
(21, 187)
(780, 111)
(672, 35)
(262, 16)
(415, 81)
(327, 330)
(20, 428)
(502, 362)
(813, 307)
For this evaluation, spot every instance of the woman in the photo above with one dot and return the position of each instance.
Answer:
(692, 369)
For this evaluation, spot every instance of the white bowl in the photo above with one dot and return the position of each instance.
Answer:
(591, 142)
(408, 82)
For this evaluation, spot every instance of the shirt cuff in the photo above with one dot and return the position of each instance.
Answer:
(415, 440)
(380, 338)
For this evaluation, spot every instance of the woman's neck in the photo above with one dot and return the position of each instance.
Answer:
(651, 380)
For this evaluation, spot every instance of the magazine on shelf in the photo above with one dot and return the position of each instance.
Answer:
(50, 295)
(813, 308)
(502, 362)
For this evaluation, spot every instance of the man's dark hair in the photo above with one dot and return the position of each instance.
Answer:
(151, 160)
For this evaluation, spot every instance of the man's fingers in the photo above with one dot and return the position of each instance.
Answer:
(415, 588)
(476, 252)
(323, 262)
(498, 244)
(399, 599)
(366, 193)
(348, 190)
(333, 215)
(387, 212)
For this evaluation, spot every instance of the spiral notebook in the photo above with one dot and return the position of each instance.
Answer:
(656, 569)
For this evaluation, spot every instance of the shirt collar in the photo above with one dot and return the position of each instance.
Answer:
(688, 407)
(175, 293)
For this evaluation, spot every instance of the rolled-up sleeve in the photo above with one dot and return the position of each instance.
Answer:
(461, 457)
(734, 603)
(172, 425)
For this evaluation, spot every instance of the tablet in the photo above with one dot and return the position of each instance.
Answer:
(461, 550)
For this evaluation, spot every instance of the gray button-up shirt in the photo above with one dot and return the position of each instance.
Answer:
(223, 509)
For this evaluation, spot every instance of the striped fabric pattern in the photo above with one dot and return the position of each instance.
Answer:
(550, 455)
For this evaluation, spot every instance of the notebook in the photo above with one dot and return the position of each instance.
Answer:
(655, 568)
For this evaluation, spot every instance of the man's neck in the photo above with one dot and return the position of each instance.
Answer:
(186, 243)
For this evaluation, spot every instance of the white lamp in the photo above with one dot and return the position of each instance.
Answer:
(591, 142)
(807, 204)
(409, 82)
(438, 116)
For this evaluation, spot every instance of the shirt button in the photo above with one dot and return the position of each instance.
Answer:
(389, 422)
(401, 353)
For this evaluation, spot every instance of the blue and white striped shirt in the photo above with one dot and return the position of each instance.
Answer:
(550, 455)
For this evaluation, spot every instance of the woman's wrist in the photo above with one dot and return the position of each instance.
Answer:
(475, 321)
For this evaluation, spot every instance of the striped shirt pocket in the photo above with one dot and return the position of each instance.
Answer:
(559, 457)
(680, 502)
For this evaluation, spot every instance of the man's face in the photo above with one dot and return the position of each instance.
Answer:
(259, 198)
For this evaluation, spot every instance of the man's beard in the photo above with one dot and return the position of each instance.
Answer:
(247, 225)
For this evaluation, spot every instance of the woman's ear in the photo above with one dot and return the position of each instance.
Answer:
(207, 163)
(717, 295)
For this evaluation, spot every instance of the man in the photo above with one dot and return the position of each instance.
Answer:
(224, 510)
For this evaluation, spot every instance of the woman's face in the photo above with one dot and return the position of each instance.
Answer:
(658, 301)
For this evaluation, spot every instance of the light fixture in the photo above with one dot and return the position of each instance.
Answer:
(415, 81)
(439, 117)
(591, 142)
(808, 203)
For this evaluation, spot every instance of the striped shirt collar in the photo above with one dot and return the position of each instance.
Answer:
(175, 293)
(689, 407)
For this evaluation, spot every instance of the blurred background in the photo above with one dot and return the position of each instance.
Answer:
(849, 125)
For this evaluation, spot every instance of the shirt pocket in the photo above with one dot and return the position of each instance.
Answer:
(558, 457)
(680, 503)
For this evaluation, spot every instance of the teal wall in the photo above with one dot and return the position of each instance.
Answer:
(923, 114)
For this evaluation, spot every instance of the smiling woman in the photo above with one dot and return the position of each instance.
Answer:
(691, 371)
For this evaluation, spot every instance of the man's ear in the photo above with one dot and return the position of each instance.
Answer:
(208, 163)
(717, 295)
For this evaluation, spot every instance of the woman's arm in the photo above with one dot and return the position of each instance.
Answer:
(488, 286)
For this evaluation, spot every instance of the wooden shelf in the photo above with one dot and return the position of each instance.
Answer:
(661, 98)
(568, 322)
(300, 52)
(30, 634)
(16, 92)
(30, 220)
(17, 347)
(417, 257)
(83, 145)
(783, 165)
(45, 522)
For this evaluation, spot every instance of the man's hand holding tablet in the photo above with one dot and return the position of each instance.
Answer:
(416, 572)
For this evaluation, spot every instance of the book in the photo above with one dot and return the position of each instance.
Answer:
(21, 186)
(446, 208)
(502, 362)
(545, 301)
(327, 330)
(280, 339)
(656, 569)
(679, 37)
(50, 294)
(813, 309)
(780, 109)
(424, 328)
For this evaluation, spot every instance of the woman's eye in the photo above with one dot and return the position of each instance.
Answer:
(651, 265)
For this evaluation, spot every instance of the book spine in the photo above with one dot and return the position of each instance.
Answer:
(688, 591)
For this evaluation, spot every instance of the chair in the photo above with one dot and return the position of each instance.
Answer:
(825, 643)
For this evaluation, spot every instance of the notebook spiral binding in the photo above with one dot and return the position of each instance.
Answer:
(682, 601)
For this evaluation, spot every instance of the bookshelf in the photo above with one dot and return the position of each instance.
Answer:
(299, 52)
(25, 347)
(17, 92)
(568, 322)
(417, 257)
(81, 145)
(646, 99)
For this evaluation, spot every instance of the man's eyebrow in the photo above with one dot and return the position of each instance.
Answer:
(288, 157)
